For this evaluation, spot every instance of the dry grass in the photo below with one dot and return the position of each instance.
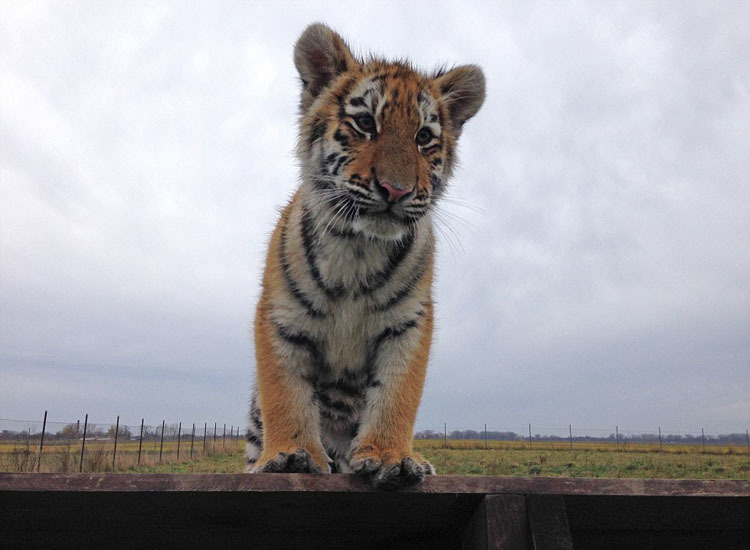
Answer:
(604, 447)
(66, 457)
(461, 457)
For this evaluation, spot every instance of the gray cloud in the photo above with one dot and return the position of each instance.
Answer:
(593, 259)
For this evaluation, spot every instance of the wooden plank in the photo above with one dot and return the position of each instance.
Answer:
(340, 511)
(653, 513)
(499, 523)
(340, 483)
(548, 522)
(233, 519)
(658, 522)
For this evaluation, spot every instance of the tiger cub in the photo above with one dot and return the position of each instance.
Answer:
(344, 322)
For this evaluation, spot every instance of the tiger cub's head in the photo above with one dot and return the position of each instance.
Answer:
(378, 139)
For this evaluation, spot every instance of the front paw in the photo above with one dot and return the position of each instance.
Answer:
(389, 470)
(296, 462)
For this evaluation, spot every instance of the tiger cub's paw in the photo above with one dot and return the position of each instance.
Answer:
(296, 462)
(387, 470)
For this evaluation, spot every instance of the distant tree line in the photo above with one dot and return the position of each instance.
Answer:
(721, 439)
(98, 431)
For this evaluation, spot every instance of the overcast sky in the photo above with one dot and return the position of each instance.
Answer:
(594, 256)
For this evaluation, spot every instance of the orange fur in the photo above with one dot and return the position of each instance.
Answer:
(344, 324)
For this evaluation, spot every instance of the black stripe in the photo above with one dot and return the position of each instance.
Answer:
(317, 131)
(254, 439)
(374, 347)
(341, 138)
(357, 102)
(289, 280)
(255, 415)
(340, 406)
(328, 161)
(394, 332)
(417, 274)
(359, 191)
(342, 159)
(332, 415)
(395, 257)
(351, 390)
(345, 234)
(255, 418)
(306, 342)
(306, 229)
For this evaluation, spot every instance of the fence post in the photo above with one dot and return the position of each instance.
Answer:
(660, 447)
(529, 436)
(140, 443)
(161, 445)
(205, 424)
(192, 439)
(114, 452)
(617, 438)
(41, 443)
(224, 439)
(213, 449)
(83, 443)
(179, 437)
(570, 430)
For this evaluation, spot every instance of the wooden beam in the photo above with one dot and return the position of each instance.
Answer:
(338, 483)
(548, 522)
(499, 523)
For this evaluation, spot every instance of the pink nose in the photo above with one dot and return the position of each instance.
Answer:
(392, 194)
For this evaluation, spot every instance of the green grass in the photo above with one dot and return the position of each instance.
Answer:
(588, 463)
(210, 464)
(464, 458)
(576, 463)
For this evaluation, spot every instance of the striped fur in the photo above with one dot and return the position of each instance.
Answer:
(344, 323)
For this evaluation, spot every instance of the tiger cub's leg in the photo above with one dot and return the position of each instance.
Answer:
(382, 451)
(291, 420)
(254, 435)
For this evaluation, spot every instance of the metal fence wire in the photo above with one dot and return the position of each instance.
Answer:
(84, 446)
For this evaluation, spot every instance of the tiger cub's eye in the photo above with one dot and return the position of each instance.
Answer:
(365, 122)
(424, 136)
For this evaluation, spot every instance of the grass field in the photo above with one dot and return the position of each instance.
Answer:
(459, 458)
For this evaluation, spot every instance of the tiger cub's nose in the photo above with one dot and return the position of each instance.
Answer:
(391, 193)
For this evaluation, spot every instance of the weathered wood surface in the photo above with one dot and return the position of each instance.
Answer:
(499, 523)
(338, 511)
(548, 522)
(340, 483)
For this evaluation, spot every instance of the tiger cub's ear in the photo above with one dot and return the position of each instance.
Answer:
(462, 89)
(320, 55)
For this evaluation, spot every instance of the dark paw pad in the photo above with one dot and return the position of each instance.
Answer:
(365, 466)
(298, 462)
(402, 474)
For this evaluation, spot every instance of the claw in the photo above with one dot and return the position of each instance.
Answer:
(299, 462)
(366, 466)
(411, 472)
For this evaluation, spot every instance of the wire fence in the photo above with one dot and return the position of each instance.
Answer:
(616, 438)
(84, 446)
